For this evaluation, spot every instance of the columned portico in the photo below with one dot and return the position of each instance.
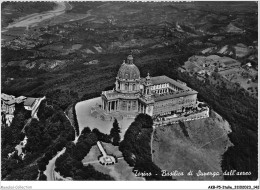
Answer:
(141, 108)
(110, 106)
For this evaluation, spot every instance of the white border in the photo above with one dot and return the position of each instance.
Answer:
(126, 184)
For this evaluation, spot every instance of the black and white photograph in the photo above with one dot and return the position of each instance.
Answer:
(94, 92)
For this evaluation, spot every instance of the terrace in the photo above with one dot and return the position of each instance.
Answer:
(89, 114)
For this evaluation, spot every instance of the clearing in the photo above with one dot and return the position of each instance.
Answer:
(120, 171)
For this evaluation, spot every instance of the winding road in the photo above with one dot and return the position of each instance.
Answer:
(35, 18)
(49, 172)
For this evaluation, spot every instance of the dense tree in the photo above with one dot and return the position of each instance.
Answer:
(70, 164)
(101, 136)
(145, 120)
(11, 136)
(27, 173)
(86, 130)
(76, 124)
(136, 147)
(63, 98)
(46, 137)
(183, 128)
(115, 133)
(90, 95)
(42, 166)
(42, 177)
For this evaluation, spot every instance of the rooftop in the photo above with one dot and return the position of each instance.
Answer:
(29, 101)
(164, 79)
(215, 57)
(174, 95)
(229, 61)
(7, 97)
(10, 102)
(114, 95)
(230, 71)
(21, 97)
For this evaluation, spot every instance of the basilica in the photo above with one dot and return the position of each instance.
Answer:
(155, 96)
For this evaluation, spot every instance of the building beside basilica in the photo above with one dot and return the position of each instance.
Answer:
(154, 96)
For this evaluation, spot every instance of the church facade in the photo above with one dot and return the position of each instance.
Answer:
(155, 96)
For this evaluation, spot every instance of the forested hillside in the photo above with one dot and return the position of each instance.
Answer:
(46, 137)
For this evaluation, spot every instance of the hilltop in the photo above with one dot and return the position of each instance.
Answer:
(192, 146)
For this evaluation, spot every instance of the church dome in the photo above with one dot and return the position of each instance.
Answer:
(128, 70)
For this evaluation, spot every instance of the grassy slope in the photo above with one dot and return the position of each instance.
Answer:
(174, 151)
(120, 171)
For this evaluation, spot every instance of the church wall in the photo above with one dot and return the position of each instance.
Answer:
(128, 105)
(127, 86)
(175, 104)
(149, 110)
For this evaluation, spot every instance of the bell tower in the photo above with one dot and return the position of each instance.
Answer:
(146, 97)
(147, 87)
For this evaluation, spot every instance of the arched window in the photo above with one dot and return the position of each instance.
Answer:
(133, 86)
(126, 86)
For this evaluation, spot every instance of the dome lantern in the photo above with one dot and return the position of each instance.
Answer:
(130, 59)
(128, 71)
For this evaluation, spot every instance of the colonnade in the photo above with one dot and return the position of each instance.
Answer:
(141, 108)
(162, 91)
(110, 105)
(114, 105)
